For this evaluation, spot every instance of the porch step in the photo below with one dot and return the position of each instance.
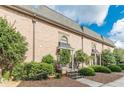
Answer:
(74, 75)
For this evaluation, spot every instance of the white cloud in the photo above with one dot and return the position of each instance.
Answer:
(117, 33)
(122, 12)
(84, 14)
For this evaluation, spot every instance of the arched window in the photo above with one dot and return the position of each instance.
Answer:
(93, 46)
(64, 39)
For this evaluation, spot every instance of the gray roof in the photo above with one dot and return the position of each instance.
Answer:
(53, 15)
(50, 14)
(108, 41)
(97, 36)
(91, 33)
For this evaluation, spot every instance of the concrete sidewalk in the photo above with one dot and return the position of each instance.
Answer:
(89, 82)
(116, 83)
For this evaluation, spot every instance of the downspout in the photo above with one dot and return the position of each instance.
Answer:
(33, 22)
(102, 50)
(82, 38)
(102, 43)
(82, 43)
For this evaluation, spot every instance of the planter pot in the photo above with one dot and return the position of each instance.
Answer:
(64, 70)
(51, 76)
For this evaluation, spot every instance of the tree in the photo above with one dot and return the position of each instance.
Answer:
(119, 54)
(88, 59)
(12, 45)
(64, 56)
(107, 57)
(81, 57)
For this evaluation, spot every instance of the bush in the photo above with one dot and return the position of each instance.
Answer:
(114, 68)
(58, 76)
(32, 71)
(102, 69)
(107, 57)
(37, 71)
(87, 72)
(121, 66)
(49, 68)
(18, 71)
(48, 59)
(6, 75)
(13, 45)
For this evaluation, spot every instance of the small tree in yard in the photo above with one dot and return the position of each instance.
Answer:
(107, 57)
(119, 54)
(12, 46)
(81, 57)
(65, 56)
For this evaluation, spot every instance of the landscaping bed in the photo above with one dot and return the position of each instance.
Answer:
(104, 78)
(120, 73)
(63, 82)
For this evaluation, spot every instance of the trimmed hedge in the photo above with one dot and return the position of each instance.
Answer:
(121, 66)
(32, 71)
(87, 72)
(101, 69)
(115, 68)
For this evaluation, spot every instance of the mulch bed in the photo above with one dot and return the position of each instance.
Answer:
(104, 78)
(63, 82)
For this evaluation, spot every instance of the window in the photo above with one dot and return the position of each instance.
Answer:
(93, 46)
(64, 39)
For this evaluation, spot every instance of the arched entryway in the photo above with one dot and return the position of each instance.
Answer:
(96, 56)
(64, 45)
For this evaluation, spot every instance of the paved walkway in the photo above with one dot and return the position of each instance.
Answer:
(89, 82)
(116, 83)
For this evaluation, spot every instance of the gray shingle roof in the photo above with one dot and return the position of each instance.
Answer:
(108, 41)
(53, 15)
(91, 33)
(61, 19)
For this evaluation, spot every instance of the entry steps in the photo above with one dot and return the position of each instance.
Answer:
(74, 75)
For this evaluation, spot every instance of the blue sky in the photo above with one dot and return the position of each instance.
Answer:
(115, 13)
(105, 19)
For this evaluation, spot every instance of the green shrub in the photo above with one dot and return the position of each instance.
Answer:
(48, 59)
(87, 72)
(102, 69)
(114, 68)
(65, 56)
(37, 71)
(107, 57)
(58, 76)
(49, 68)
(32, 71)
(6, 75)
(18, 71)
(13, 45)
(121, 66)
